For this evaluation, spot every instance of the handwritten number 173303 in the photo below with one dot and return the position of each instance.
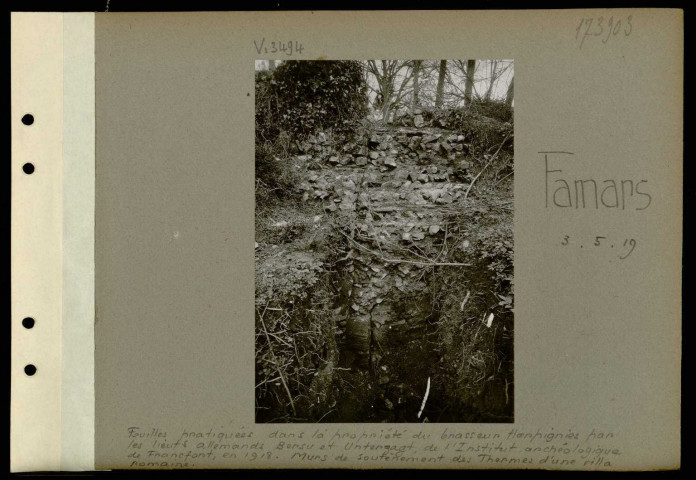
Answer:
(603, 28)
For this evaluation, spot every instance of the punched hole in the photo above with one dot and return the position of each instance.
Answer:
(28, 168)
(28, 119)
(30, 369)
(28, 323)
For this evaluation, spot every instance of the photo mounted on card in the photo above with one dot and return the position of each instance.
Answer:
(366, 256)
(407, 239)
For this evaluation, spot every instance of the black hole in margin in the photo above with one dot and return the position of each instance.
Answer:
(30, 369)
(28, 323)
(28, 168)
(28, 119)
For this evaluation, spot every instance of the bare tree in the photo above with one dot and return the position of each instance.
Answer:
(416, 86)
(510, 92)
(427, 82)
(461, 81)
(491, 79)
(439, 97)
(496, 70)
(470, 72)
(393, 79)
(395, 85)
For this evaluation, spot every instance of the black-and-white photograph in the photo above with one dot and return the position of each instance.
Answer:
(384, 241)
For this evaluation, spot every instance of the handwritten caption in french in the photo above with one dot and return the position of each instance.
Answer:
(153, 447)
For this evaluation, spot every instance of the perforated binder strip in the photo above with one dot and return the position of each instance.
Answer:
(52, 119)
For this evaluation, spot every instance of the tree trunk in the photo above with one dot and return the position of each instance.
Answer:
(494, 68)
(441, 84)
(385, 112)
(387, 91)
(271, 65)
(510, 92)
(416, 84)
(470, 71)
(386, 102)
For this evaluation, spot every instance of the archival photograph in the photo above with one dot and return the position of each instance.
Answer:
(384, 286)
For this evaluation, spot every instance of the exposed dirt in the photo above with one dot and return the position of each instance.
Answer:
(380, 262)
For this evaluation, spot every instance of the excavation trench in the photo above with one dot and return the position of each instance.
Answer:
(388, 350)
(397, 280)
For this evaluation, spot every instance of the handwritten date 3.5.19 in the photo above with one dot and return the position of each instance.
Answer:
(623, 247)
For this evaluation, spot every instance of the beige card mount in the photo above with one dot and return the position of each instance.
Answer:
(140, 325)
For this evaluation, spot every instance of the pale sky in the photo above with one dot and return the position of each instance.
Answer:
(481, 76)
